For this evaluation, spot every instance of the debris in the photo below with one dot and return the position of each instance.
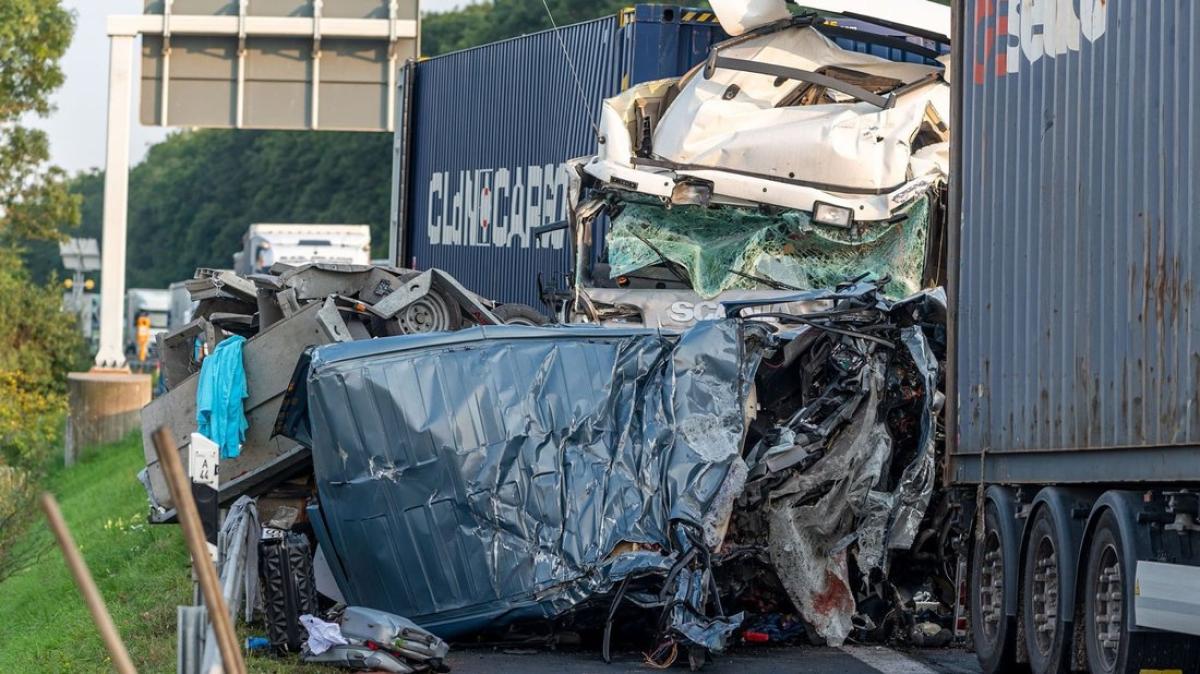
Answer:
(279, 315)
(536, 473)
(364, 639)
(321, 635)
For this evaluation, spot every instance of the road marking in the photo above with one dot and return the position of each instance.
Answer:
(887, 660)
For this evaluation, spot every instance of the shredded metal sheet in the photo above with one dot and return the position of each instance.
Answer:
(475, 478)
(470, 480)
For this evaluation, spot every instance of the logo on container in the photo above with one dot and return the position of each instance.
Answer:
(1008, 31)
(497, 207)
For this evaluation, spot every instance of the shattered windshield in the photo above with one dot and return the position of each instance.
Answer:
(723, 248)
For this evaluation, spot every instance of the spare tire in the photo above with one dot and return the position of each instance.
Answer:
(519, 314)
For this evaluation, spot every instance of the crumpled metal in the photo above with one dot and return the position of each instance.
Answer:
(834, 457)
(475, 478)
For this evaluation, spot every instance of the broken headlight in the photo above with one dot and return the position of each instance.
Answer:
(836, 216)
(691, 194)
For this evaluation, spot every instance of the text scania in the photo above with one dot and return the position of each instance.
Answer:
(1007, 30)
(498, 207)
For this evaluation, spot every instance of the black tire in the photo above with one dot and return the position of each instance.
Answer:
(996, 638)
(519, 314)
(1103, 558)
(1045, 630)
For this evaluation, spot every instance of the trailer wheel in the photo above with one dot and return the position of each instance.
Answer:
(1043, 612)
(992, 627)
(1110, 646)
(519, 314)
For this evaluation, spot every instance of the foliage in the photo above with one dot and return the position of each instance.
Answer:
(490, 21)
(142, 572)
(17, 551)
(34, 201)
(38, 343)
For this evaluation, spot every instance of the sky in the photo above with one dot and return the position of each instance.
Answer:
(76, 128)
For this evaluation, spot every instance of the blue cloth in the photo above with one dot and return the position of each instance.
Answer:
(219, 413)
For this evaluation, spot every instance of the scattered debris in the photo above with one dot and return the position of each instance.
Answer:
(364, 639)
(754, 466)
(279, 315)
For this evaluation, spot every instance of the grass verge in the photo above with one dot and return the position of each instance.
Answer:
(142, 571)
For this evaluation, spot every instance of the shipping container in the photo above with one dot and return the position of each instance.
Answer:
(1078, 332)
(485, 133)
(1074, 361)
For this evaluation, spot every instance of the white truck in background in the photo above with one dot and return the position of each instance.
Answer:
(265, 244)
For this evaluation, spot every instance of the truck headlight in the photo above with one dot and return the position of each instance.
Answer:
(691, 194)
(836, 216)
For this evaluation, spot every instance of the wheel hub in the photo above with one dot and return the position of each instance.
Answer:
(991, 585)
(1045, 595)
(1106, 615)
(428, 314)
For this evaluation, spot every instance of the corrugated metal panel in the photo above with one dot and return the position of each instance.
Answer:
(1077, 301)
(492, 126)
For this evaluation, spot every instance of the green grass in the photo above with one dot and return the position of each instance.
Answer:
(142, 571)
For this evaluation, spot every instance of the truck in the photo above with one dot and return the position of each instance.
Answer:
(156, 305)
(809, 148)
(1052, 159)
(265, 244)
(1071, 423)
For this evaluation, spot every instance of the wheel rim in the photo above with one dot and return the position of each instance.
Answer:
(1045, 595)
(428, 314)
(520, 320)
(1107, 609)
(991, 586)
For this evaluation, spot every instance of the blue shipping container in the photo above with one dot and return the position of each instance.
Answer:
(488, 131)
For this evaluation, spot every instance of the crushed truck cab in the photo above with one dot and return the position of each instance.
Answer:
(787, 161)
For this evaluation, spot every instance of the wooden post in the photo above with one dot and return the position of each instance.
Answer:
(87, 587)
(193, 533)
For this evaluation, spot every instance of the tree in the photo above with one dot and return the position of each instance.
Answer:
(38, 343)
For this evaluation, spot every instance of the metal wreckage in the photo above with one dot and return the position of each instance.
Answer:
(767, 475)
(770, 464)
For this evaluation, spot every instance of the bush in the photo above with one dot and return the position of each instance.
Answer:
(17, 551)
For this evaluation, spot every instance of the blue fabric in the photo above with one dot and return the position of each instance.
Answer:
(219, 413)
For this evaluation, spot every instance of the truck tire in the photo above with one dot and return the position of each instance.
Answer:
(993, 628)
(1111, 648)
(519, 314)
(1044, 615)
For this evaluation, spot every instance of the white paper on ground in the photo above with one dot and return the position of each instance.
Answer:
(322, 636)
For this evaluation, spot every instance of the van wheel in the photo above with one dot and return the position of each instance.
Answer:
(1045, 631)
(992, 627)
(1106, 604)
(519, 314)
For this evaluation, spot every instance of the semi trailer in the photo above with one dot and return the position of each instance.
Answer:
(1073, 410)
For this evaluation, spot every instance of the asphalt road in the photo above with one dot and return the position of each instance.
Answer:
(847, 660)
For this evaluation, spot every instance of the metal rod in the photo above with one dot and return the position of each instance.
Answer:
(87, 587)
(193, 533)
